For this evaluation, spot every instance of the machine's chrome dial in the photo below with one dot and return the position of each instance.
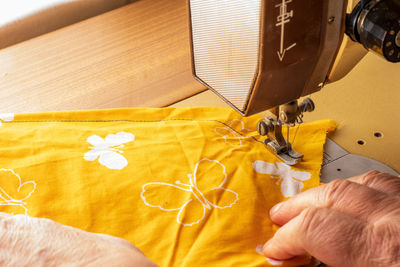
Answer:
(376, 25)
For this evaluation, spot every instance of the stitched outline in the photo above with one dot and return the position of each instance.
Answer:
(235, 134)
(198, 195)
(138, 121)
(15, 202)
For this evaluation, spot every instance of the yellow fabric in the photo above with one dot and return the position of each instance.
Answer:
(188, 186)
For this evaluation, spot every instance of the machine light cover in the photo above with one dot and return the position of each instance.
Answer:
(226, 39)
(257, 54)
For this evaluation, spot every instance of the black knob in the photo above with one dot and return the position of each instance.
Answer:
(262, 128)
(376, 25)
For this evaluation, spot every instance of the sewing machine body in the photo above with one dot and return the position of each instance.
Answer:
(269, 53)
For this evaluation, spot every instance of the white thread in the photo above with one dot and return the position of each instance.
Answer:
(8, 200)
(206, 204)
(159, 183)
(193, 223)
(232, 135)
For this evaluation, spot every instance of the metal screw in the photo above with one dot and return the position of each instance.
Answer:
(331, 20)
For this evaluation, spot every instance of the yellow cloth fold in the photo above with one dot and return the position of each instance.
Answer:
(187, 186)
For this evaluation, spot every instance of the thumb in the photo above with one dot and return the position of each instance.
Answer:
(330, 236)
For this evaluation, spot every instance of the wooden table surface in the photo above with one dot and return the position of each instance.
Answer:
(137, 55)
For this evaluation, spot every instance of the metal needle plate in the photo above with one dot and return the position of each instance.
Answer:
(340, 164)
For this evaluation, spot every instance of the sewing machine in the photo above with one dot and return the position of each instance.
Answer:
(260, 55)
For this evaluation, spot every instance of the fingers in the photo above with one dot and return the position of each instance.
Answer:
(322, 233)
(340, 195)
(383, 182)
(333, 222)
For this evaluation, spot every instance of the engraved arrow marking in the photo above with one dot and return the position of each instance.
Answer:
(282, 19)
(282, 54)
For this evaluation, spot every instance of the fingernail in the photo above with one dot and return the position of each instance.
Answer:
(259, 249)
(275, 209)
(270, 260)
(274, 262)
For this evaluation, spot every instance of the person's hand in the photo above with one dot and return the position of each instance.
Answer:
(28, 241)
(353, 222)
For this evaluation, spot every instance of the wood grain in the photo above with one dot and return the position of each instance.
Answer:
(137, 55)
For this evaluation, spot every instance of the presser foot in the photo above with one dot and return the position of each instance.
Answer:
(271, 126)
(288, 155)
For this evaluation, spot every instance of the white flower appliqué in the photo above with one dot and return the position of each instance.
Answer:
(291, 181)
(6, 117)
(13, 192)
(204, 191)
(234, 134)
(108, 150)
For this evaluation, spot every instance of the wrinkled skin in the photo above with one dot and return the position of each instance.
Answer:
(354, 222)
(27, 241)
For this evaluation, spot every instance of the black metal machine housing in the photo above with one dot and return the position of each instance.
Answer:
(376, 25)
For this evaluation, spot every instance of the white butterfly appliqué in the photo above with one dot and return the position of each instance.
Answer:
(291, 181)
(204, 191)
(231, 136)
(108, 150)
